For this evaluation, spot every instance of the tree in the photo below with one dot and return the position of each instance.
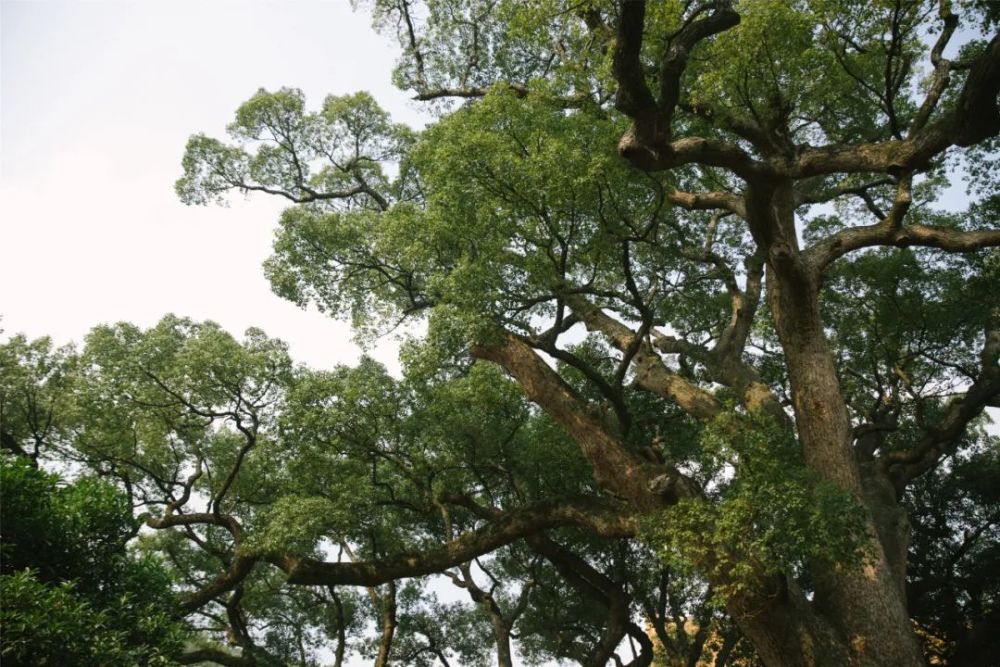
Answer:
(705, 241)
(695, 257)
(71, 593)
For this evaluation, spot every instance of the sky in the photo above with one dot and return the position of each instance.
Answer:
(97, 99)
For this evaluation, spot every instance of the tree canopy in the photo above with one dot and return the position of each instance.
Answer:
(71, 593)
(701, 336)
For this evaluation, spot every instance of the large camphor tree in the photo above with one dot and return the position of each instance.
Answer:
(718, 248)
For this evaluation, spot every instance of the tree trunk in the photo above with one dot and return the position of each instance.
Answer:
(388, 612)
(863, 603)
(785, 630)
(501, 635)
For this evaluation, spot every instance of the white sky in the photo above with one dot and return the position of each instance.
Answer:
(97, 99)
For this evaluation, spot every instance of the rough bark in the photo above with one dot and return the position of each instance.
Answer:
(786, 631)
(864, 603)
(644, 485)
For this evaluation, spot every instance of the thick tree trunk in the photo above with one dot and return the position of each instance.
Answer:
(864, 602)
(785, 630)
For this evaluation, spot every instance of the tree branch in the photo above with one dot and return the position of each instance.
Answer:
(218, 656)
(647, 143)
(588, 580)
(842, 190)
(602, 518)
(708, 201)
(975, 117)
(615, 467)
(226, 581)
(651, 374)
(891, 232)
(905, 466)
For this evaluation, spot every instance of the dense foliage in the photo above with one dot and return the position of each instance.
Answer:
(71, 592)
(700, 342)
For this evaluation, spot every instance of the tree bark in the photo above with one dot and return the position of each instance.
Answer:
(863, 603)
(387, 603)
(498, 624)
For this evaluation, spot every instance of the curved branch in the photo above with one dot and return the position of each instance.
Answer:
(657, 155)
(223, 583)
(975, 117)
(309, 196)
(250, 437)
(887, 233)
(218, 656)
(674, 62)
(826, 250)
(603, 519)
(233, 576)
(646, 651)
(651, 374)
(647, 143)
(726, 120)
(905, 466)
(582, 576)
(614, 467)
(634, 97)
(196, 519)
(862, 191)
(891, 232)
(942, 69)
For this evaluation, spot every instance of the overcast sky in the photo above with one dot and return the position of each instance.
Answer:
(97, 99)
